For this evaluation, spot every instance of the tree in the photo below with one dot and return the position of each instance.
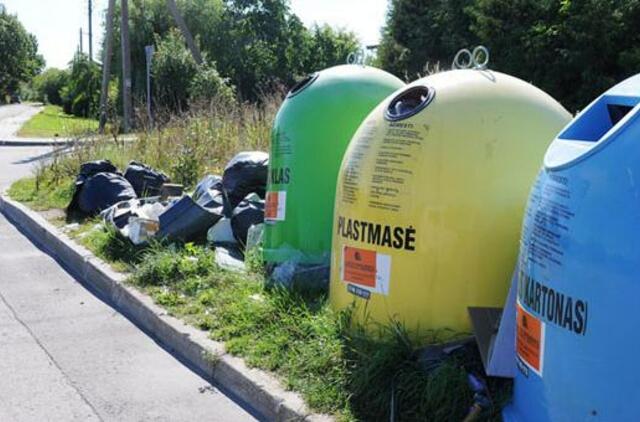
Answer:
(421, 32)
(19, 58)
(572, 49)
(254, 43)
(178, 79)
(81, 95)
(330, 47)
(48, 84)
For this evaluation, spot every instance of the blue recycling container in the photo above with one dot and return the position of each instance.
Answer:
(578, 306)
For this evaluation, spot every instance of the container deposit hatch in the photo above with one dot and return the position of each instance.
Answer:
(310, 135)
(576, 313)
(431, 194)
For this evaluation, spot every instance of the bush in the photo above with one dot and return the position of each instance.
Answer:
(178, 79)
(207, 85)
(46, 86)
(173, 71)
(81, 95)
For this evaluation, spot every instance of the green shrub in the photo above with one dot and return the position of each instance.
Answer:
(207, 85)
(178, 80)
(47, 86)
(173, 71)
(81, 95)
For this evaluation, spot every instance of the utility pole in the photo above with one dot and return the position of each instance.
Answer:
(126, 66)
(149, 51)
(106, 65)
(81, 48)
(195, 52)
(90, 31)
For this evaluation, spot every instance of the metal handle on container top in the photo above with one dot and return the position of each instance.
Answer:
(356, 57)
(476, 59)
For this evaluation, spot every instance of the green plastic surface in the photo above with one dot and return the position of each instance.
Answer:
(310, 135)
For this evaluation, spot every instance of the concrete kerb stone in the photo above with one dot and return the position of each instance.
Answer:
(256, 387)
(35, 142)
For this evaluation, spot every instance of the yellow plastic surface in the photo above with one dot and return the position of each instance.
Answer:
(449, 186)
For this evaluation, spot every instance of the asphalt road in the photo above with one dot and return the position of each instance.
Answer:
(67, 356)
(13, 116)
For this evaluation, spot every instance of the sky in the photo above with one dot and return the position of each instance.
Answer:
(56, 23)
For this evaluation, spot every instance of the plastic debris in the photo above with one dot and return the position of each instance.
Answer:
(221, 233)
(209, 194)
(185, 220)
(140, 230)
(296, 276)
(255, 237)
(230, 258)
(119, 214)
(170, 190)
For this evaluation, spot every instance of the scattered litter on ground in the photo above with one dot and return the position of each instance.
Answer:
(142, 205)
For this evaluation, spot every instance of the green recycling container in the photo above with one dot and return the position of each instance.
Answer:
(310, 134)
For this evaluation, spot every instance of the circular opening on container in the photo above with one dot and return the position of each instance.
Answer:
(409, 102)
(304, 83)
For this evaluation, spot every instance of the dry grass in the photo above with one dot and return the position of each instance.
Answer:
(186, 147)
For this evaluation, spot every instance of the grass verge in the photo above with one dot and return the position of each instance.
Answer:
(53, 122)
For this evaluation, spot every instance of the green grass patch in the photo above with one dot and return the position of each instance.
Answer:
(106, 243)
(42, 194)
(53, 122)
(339, 367)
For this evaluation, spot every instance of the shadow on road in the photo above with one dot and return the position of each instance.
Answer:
(43, 156)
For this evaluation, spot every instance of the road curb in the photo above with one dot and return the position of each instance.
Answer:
(34, 143)
(256, 387)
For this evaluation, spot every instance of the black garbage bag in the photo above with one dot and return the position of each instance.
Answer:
(145, 180)
(248, 213)
(92, 168)
(246, 173)
(87, 170)
(186, 221)
(101, 191)
(209, 194)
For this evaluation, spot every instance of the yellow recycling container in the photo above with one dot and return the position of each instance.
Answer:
(431, 194)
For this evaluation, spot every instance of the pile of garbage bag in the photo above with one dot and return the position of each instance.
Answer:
(99, 185)
(142, 204)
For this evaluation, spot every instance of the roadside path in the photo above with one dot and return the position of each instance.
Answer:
(13, 116)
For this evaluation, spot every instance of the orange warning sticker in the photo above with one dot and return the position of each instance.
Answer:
(530, 339)
(367, 269)
(360, 266)
(274, 207)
